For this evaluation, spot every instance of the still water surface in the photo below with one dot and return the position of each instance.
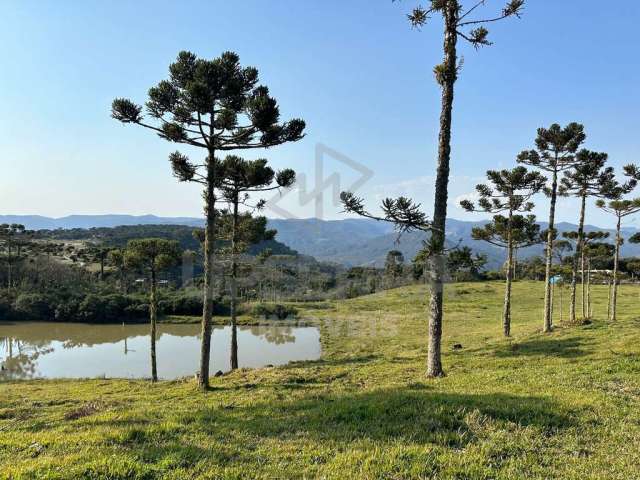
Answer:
(64, 350)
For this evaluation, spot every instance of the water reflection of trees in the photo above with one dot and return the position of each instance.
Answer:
(276, 334)
(22, 344)
(20, 359)
(84, 335)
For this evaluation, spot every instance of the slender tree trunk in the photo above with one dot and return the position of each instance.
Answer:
(574, 263)
(434, 360)
(585, 303)
(209, 244)
(616, 261)
(609, 283)
(234, 288)
(9, 268)
(548, 307)
(589, 306)
(506, 315)
(552, 291)
(153, 310)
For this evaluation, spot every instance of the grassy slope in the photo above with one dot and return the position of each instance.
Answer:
(564, 405)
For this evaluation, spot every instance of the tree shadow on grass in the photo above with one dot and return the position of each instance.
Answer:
(414, 415)
(548, 347)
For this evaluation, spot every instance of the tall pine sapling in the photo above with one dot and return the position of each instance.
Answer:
(518, 232)
(456, 19)
(152, 256)
(241, 178)
(14, 241)
(216, 105)
(555, 152)
(510, 191)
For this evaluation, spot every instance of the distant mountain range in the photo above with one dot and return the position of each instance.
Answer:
(37, 222)
(349, 242)
(366, 242)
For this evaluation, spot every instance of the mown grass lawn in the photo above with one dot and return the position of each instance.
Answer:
(563, 405)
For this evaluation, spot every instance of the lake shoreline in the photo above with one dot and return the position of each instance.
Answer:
(185, 320)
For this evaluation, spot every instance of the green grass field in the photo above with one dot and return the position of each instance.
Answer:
(563, 405)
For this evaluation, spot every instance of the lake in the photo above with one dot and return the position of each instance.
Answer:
(71, 350)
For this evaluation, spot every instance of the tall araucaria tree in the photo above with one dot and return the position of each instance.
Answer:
(241, 179)
(510, 191)
(555, 152)
(588, 178)
(14, 241)
(152, 256)
(456, 19)
(216, 105)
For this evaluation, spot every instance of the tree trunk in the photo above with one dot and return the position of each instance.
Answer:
(574, 264)
(9, 267)
(234, 288)
(209, 245)
(609, 298)
(434, 360)
(548, 307)
(589, 307)
(153, 311)
(616, 261)
(551, 298)
(585, 303)
(506, 316)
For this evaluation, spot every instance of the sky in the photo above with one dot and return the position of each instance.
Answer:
(353, 70)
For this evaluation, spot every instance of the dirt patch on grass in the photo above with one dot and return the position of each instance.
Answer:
(83, 411)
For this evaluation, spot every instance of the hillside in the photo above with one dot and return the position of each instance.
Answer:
(349, 242)
(563, 405)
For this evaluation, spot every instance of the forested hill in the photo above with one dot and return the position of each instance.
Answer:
(349, 242)
(119, 236)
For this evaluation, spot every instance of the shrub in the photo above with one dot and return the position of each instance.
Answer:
(111, 308)
(5, 306)
(33, 306)
(276, 310)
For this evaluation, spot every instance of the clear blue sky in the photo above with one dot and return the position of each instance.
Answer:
(354, 70)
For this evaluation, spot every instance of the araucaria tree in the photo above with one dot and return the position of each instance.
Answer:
(555, 152)
(216, 105)
(459, 23)
(510, 191)
(14, 241)
(152, 256)
(588, 178)
(241, 178)
(621, 209)
(393, 267)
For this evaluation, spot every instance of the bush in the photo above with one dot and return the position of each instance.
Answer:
(33, 306)
(5, 306)
(111, 308)
(276, 310)
(189, 304)
(67, 311)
